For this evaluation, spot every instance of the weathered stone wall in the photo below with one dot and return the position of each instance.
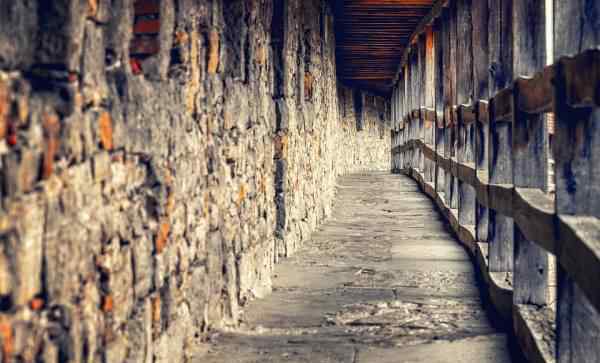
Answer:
(144, 200)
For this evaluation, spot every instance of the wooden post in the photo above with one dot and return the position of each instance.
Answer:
(464, 95)
(439, 101)
(414, 72)
(421, 87)
(448, 142)
(529, 149)
(500, 228)
(480, 96)
(429, 102)
(408, 103)
(576, 153)
(454, 99)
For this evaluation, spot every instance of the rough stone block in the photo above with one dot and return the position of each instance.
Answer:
(18, 33)
(102, 166)
(142, 266)
(61, 33)
(281, 112)
(213, 52)
(27, 247)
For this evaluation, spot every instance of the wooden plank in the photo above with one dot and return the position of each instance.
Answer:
(500, 227)
(481, 162)
(481, 189)
(529, 331)
(579, 254)
(576, 153)
(428, 152)
(529, 149)
(581, 78)
(439, 102)
(447, 101)
(480, 17)
(482, 112)
(501, 105)
(533, 211)
(444, 163)
(466, 113)
(570, 39)
(466, 173)
(500, 199)
(536, 94)
(500, 44)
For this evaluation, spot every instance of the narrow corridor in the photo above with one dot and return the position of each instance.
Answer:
(381, 281)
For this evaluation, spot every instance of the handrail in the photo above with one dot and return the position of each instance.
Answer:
(573, 239)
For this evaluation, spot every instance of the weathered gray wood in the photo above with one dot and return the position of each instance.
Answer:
(479, 18)
(439, 100)
(454, 100)
(447, 97)
(576, 153)
(429, 99)
(421, 69)
(500, 44)
(579, 254)
(500, 228)
(576, 26)
(481, 163)
(416, 97)
(529, 149)
(533, 211)
(466, 200)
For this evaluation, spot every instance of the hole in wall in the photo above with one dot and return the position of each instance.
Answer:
(145, 43)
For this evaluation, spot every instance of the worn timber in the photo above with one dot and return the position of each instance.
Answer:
(526, 141)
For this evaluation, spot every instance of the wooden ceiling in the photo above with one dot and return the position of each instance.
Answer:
(371, 38)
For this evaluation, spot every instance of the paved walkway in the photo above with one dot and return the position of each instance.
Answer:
(381, 281)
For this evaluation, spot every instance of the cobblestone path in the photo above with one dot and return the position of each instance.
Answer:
(381, 281)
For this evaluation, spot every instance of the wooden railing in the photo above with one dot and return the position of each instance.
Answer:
(513, 127)
(472, 112)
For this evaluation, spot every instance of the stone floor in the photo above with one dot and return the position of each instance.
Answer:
(381, 281)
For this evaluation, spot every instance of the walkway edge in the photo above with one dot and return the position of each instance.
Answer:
(499, 294)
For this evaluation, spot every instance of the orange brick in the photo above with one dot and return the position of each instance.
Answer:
(92, 8)
(23, 110)
(6, 333)
(4, 109)
(213, 52)
(108, 304)
(261, 55)
(106, 130)
(308, 85)
(181, 38)
(51, 133)
(170, 202)
(36, 304)
(162, 237)
(242, 194)
(156, 309)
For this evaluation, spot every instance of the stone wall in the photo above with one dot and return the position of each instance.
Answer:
(155, 162)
